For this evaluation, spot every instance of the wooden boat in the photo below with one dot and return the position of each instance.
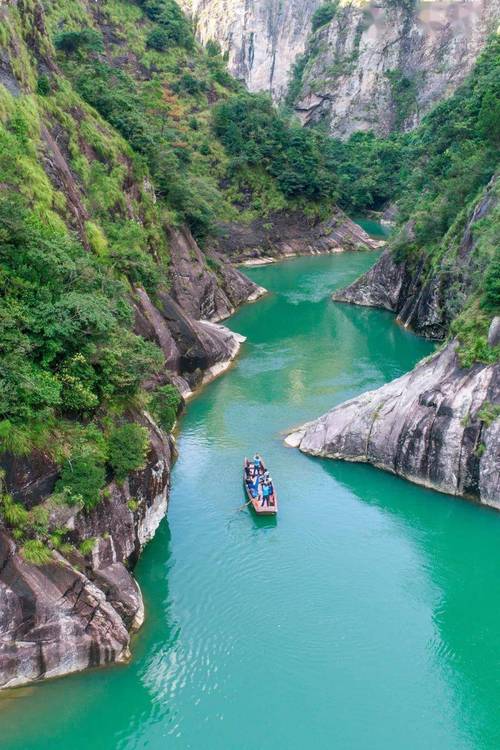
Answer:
(256, 502)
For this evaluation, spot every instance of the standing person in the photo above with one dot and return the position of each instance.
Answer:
(265, 494)
(271, 489)
(257, 462)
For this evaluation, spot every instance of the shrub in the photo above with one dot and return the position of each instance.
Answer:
(82, 479)
(87, 546)
(128, 447)
(165, 406)
(72, 41)
(488, 413)
(36, 552)
(43, 86)
(158, 39)
(170, 17)
(491, 289)
(213, 48)
(323, 15)
(15, 514)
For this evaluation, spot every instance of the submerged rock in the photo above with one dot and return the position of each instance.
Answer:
(429, 426)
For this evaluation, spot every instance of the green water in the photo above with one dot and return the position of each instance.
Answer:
(374, 228)
(365, 618)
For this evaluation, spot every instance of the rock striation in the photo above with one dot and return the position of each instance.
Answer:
(285, 234)
(375, 66)
(428, 426)
(262, 38)
(426, 297)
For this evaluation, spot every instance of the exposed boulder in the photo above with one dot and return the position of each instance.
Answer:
(53, 620)
(428, 426)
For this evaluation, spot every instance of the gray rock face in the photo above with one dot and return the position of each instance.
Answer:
(358, 62)
(261, 37)
(424, 298)
(286, 234)
(202, 292)
(425, 426)
(494, 332)
(55, 618)
(370, 50)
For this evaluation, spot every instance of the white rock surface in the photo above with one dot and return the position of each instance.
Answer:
(425, 426)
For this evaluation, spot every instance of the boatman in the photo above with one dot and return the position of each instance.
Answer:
(257, 462)
(265, 494)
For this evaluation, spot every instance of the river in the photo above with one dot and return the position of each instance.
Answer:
(365, 618)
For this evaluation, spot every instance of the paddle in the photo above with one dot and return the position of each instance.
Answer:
(242, 507)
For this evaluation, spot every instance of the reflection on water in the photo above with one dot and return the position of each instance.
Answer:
(364, 617)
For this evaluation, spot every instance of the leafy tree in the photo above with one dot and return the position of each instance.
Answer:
(158, 39)
(82, 479)
(128, 447)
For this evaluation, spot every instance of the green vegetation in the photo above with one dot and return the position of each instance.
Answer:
(488, 413)
(87, 546)
(323, 15)
(128, 448)
(82, 479)
(165, 406)
(255, 134)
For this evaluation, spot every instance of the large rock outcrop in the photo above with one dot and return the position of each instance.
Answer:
(374, 66)
(425, 295)
(283, 234)
(430, 426)
(262, 38)
(77, 611)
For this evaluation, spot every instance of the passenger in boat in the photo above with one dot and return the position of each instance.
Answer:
(257, 462)
(271, 489)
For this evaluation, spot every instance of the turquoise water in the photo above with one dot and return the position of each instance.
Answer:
(373, 227)
(365, 618)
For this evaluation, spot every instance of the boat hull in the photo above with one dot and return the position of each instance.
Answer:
(256, 502)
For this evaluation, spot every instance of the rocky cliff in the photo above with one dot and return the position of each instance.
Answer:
(434, 426)
(381, 66)
(427, 293)
(262, 38)
(77, 611)
(373, 66)
(284, 234)
(439, 425)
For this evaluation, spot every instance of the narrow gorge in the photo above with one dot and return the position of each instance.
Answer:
(159, 163)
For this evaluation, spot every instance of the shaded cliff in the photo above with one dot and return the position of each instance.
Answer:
(285, 234)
